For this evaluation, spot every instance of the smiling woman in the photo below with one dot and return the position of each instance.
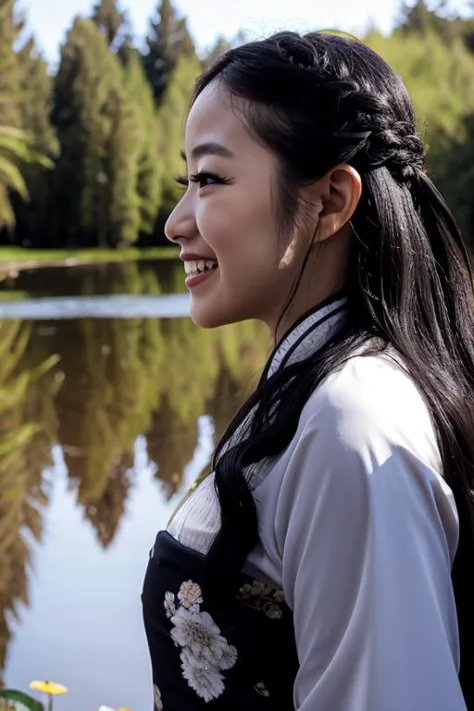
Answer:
(323, 563)
(253, 274)
(228, 170)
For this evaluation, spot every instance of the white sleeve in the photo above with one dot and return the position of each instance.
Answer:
(366, 569)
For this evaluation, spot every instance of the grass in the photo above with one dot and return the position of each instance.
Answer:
(14, 296)
(16, 255)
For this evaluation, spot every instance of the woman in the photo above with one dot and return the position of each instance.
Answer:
(323, 566)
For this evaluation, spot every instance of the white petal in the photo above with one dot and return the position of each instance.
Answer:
(207, 683)
(207, 621)
(229, 658)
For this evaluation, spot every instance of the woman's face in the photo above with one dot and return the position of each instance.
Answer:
(238, 267)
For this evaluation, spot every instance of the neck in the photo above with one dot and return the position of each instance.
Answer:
(296, 311)
(324, 276)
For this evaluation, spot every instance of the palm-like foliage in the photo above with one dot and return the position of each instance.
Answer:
(15, 152)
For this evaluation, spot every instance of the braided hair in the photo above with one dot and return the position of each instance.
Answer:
(317, 101)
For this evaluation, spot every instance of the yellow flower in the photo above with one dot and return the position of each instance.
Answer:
(48, 687)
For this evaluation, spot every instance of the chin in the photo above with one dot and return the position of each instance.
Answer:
(214, 318)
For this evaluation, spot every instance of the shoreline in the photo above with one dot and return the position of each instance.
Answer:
(13, 261)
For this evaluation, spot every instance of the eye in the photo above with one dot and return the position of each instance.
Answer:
(182, 180)
(203, 179)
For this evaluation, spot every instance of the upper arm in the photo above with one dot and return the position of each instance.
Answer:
(366, 570)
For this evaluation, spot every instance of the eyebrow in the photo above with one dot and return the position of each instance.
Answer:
(210, 148)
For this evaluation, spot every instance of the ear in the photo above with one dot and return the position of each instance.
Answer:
(333, 200)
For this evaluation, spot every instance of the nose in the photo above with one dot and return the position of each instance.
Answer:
(181, 224)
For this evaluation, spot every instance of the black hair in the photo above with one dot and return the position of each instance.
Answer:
(317, 101)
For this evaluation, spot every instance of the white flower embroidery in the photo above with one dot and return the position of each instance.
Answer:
(157, 699)
(189, 594)
(205, 653)
(207, 683)
(169, 605)
(228, 658)
(198, 632)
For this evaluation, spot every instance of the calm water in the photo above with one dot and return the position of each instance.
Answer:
(111, 400)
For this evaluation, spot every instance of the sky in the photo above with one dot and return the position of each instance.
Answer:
(50, 19)
(208, 18)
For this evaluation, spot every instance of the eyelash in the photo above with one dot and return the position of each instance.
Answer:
(199, 177)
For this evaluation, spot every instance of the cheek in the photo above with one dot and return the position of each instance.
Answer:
(240, 231)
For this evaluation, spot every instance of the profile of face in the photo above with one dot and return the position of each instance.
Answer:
(239, 265)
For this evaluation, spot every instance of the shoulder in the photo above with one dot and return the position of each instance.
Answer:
(365, 455)
(370, 405)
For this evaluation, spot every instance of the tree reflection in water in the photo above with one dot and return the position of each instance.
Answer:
(94, 386)
(28, 385)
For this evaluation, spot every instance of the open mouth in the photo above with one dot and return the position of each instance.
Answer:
(193, 268)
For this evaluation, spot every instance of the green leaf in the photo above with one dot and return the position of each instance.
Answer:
(11, 176)
(21, 701)
(15, 133)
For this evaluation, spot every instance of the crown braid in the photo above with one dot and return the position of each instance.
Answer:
(378, 138)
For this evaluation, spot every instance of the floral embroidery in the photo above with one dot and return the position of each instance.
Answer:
(262, 597)
(157, 699)
(205, 653)
(261, 689)
(207, 683)
(169, 605)
(190, 594)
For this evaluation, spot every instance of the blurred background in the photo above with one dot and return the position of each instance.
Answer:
(111, 400)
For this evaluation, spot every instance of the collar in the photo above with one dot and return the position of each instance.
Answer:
(308, 334)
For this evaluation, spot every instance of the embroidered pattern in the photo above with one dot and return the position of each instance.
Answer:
(190, 595)
(261, 689)
(205, 653)
(157, 699)
(262, 597)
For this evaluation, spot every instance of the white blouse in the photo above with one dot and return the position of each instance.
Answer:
(359, 528)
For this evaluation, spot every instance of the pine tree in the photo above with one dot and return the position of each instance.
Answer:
(36, 96)
(221, 46)
(439, 76)
(99, 136)
(123, 150)
(149, 173)
(10, 79)
(168, 40)
(171, 120)
(110, 20)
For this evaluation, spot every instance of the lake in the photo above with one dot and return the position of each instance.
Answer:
(111, 404)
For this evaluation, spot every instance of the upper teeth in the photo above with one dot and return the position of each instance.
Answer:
(190, 267)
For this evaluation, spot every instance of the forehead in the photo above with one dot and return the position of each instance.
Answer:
(212, 118)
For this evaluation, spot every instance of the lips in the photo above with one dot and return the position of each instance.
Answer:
(197, 278)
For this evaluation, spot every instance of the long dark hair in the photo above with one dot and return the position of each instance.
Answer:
(317, 101)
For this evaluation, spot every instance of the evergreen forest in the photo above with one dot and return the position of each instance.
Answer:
(89, 148)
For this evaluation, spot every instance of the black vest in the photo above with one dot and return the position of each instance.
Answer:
(242, 658)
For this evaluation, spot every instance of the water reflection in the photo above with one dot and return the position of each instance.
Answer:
(124, 404)
(120, 306)
(27, 389)
(153, 276)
